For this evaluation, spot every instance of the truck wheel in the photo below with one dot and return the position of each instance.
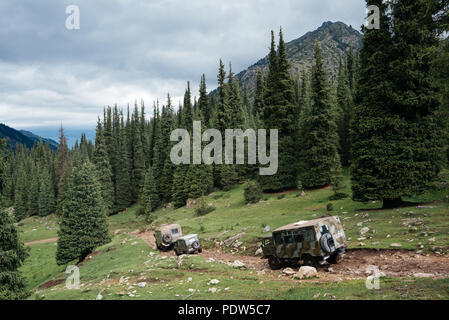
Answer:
(200, 250)
(177, 253)
(166, 238)
(274, 263)
(334, 258)
(310, 261)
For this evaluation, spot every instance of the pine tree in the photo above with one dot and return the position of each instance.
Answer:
(149, 195)
(103, 170)
(258, 96)
(83, 225)
(344, 100)
(46, 194)
(280, 112)
(203, 102)
(319, 160)
(396, 142)
(3, 173)
(63, 170)
(123, 196)
(21, 194)
(33, 197)
(12, 256)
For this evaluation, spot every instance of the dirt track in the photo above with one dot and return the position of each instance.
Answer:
(41, 241)
(396, 263)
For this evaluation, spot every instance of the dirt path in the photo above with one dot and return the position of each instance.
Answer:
(41, 241)
(354, 265)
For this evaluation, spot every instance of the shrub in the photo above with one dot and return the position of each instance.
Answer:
(299, 185)
(330, 207)
(281, 196)
(253, 192)
(203, 208)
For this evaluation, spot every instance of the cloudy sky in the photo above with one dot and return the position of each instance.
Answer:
(134, 49)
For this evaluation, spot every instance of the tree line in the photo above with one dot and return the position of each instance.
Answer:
(385, 118)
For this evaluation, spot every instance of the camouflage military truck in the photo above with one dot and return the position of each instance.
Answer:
(167, 235)
(188, 244)
(313, 242)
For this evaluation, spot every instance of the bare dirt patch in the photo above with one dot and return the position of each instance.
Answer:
(51, 283)
(395, 263)
(147, 236)
(41, 241)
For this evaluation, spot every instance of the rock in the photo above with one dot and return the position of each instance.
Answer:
(189, 279)
(361, 239)
(191, 290)
(423, 275)
(397, 245)
(388, 236)
(237, 244)
(306, 272)
(364, 230)
(190, 203)
(231, 240)
(359, 224)
(213, 290)
(238, 264)
(214, 281)
(134, 243)
(266, 229)
(142, 284)
(432, 239)
(259, 252)
(288, 271)
(303, 194)
(117, 232)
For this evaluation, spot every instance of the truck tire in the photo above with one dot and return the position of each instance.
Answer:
(166, 238)
(274, 262)
(310, 261)
(195, 245)
(327, 243)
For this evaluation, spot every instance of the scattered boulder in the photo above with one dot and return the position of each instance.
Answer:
(288, 271)
(396, 245)
(231, 240)
(190, 203)
(214, 281)
(306, 272)
(364, 230)
(423, 275)
(259, 252)
(238, 264)
(142, 284)
(212, 290)
(266, 229)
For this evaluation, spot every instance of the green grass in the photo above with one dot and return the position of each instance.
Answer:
(166, 280)
(38, 228)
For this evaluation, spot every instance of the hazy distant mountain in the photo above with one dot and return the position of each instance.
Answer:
(335, 39)
(25, 138)
(36, 138)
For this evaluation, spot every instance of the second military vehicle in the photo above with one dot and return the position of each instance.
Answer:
(188, 244)
(313, 242)
(167, 235)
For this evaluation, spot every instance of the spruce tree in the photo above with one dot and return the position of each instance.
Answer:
(280, 112)
(319, 160)
(123, 196)
(63, 170)
(83, 225)
(396, 142)
(46, 194)
(103, 170)
(12, 256)
(344, 100)
(149, 194)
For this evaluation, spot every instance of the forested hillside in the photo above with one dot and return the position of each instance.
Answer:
(381, 112)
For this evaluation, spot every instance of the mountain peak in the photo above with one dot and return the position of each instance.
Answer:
(335, 39)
